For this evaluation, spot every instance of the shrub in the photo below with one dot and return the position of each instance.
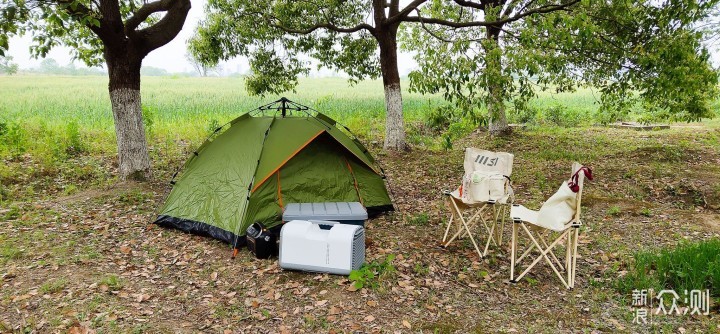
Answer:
(526, 114)
(75, 144)
(562, 116)
(439, 119)
(688, 266)
(149, 114)
(212, 126)
(14, 137)
(456, 131)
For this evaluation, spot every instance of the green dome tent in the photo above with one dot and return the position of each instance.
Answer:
(248, 172)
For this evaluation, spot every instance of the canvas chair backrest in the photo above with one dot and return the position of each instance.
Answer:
(564, 205)
(487, 161)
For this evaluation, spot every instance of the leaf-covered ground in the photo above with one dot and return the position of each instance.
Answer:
(90, 262)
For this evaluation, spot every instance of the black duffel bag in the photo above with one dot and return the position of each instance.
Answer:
(261, 241)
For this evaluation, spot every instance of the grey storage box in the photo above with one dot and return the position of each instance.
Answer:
(344, 212)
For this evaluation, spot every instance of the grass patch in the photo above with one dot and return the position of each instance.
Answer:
(113, 282)
(134, 197)
(420, 219)
(442, 326)
(9, 252)
(689, 266)
(53, 286)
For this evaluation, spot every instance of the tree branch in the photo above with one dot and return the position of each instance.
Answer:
(165, 30)
(404, 12)
(144, 12)
(453, 24)
(394, 7)
(471, 4)
(111, 19)
(510, 6)
(328, 26)
(82, 11)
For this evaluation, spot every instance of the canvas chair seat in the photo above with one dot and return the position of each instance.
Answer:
(490, 213)
(556, 224)
(525, 214)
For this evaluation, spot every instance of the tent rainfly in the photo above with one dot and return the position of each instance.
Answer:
(261, 162)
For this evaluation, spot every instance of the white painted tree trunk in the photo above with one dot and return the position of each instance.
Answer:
(134, 161)
(395, 125)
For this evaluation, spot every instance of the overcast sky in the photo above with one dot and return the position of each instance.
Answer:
(171, 57)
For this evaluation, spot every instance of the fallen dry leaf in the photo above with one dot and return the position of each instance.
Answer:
(80, 329)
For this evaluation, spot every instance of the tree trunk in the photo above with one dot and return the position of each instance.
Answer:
(124, 86)
(497, 123)
(394, 123)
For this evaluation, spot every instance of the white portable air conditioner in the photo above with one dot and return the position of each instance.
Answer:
(322, 246)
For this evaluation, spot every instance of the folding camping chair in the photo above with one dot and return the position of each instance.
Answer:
(477, 202)
(560, 217)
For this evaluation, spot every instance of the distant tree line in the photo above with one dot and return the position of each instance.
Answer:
(7, 66)
(52, 67)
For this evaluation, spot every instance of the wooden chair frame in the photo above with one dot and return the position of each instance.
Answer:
(539, 243)
(493, 226)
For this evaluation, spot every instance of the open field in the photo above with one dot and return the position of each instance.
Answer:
(63, 126)
(77, 252)
(187, 107)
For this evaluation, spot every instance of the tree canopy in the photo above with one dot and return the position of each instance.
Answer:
(643, 52)
(358, 37)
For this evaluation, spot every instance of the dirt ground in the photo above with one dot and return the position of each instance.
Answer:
(93, 263)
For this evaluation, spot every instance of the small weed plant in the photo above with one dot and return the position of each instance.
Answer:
(370, 274)
(614, 211)
(420, 219)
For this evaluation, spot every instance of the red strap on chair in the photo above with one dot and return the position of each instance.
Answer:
(575, 178)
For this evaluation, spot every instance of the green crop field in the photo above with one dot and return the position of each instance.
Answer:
(47, 108)
(184, 105)
(62, 126)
